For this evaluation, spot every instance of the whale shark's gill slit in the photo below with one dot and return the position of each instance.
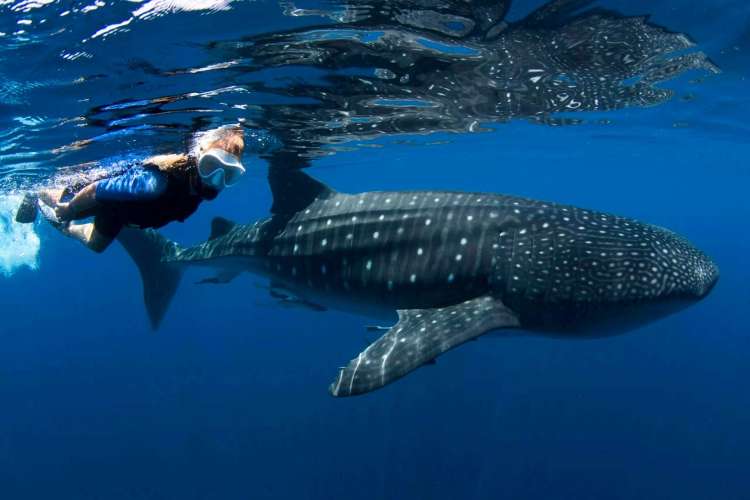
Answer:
(480, 245)
(383, 365)
(356, 369)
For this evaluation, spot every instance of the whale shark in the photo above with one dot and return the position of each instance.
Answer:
(452, 265)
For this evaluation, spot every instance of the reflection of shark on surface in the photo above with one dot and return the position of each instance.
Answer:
(390, 67)
(416, 67)
(454, 265)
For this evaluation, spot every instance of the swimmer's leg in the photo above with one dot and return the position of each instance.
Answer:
(97, 235)
(51, 197)
(84, 200)
(76, 208)
(88, 234)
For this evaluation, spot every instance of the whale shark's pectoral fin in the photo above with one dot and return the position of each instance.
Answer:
(420, 336)
(219, 279)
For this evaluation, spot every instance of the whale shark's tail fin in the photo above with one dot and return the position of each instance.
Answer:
(160, 279)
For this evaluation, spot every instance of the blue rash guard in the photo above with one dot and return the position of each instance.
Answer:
(145, 197)
(134, 185)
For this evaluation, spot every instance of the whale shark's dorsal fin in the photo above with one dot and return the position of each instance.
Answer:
(220, 226)
(293, 190)
(420, 336)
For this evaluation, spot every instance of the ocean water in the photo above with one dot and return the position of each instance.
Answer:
(228, 399)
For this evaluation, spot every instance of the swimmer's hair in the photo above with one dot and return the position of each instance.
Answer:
(170, 163)
(230, 138)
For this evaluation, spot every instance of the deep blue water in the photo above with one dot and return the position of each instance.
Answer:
(228, 399)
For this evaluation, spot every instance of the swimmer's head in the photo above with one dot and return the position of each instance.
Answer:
(219, 156)
(230, 138)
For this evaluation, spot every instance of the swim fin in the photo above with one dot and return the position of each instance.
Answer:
(28, 210)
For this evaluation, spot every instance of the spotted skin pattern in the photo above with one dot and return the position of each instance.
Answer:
(419, 250)
(407, 250)
(456, 265)
(419, 337)
(576, 261)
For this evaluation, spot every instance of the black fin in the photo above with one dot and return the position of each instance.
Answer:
(28, 209)
(420, 336)
(160, 279)
(293, 190)
(220, 226)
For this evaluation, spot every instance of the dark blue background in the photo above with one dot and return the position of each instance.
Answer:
(228, 400)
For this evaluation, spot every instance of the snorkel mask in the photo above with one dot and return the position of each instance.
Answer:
(219, 169)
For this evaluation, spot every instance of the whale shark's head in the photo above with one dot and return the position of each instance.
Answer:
(602, 274)
(684, 271)
(682, 276)
(675, 276)
(706, 275)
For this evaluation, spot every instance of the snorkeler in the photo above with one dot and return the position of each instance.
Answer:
(159, 190)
